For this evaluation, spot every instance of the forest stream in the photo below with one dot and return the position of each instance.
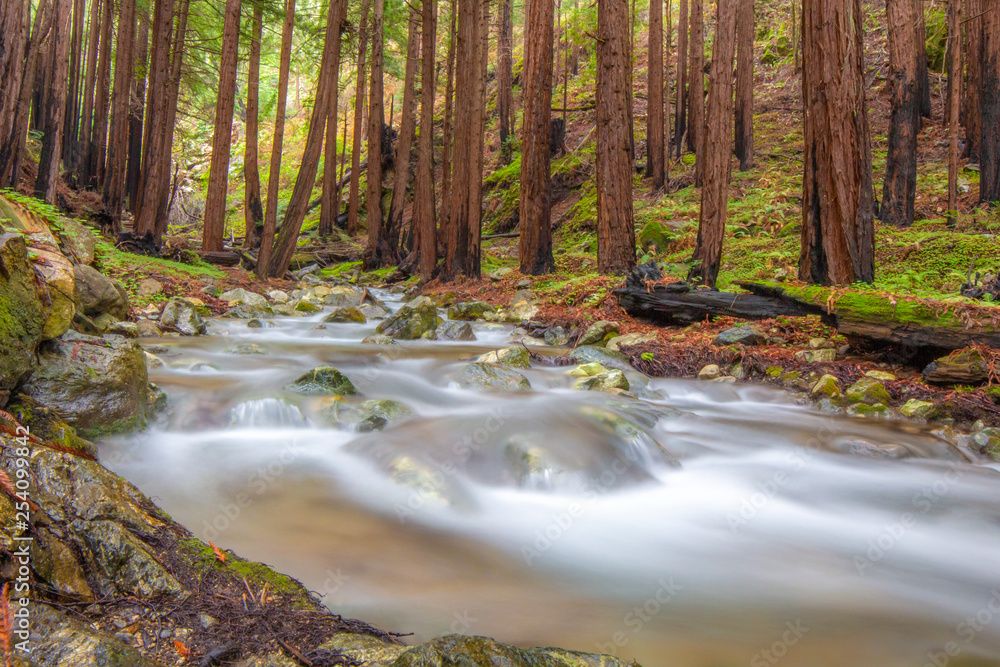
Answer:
(702, 524)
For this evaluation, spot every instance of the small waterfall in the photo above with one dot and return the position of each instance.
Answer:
(267, 413)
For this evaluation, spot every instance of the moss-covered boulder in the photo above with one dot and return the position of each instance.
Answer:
(22, 314)
(98, 385)
(460, 331)
(346, 314)
(987, 441)
(182, 315)
(47, 424)
(78, 241)
(379, 339)
(828, 386)
(962, 367)
(608, 358)
(597, 332)
(96, 293)
(469, 310)
(58, 639)
(491, 377)
(556, 336)
(917, 409)
(322, 381)
(60, 290)
(367, 416)
(868, 410)
(820, 356)
(412, 321)
(594, 377)
(512, 357)
(869, 391)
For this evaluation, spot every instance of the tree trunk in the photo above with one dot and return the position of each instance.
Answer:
(264, 255)
(71, 124)
(329, 200)
(55, 105)
(505, 77)
(615, 230)
(973, 64)
(923, 76)
(306, 179)
(97, 152)
(424, 224)
(447, 132)
(989, 107)
(954, 94)
(654, 117)
(218, 174)
(12, 143)
(377, 253)
(696, 85)
(838, 206)
(253, 212)
(343, 162)
(680, 112)
(13, 26)
(404, 144)
(535, 209)
(667, 149)
(717, 147)
(359, 111)
(744, 84)
(89, 84)
(900, 184)
(135, 129)
(114, 182)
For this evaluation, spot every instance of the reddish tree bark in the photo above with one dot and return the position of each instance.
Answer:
(696, 84)
(654, 118)
(448, 125)
(680, 112)
(359, 114)
(900, 183)
(377, 253)
(12, 143)
(13, 37)
(135, 127)
(71, 124)
(424, 224)
(55, 104)
(744, 84)
(505, 79)
(329, 201)
(923, 76)
(973, 65)
(89, 84)
(535, 206)
(97, 152)
(615, 230)
(253, 211)
(954, 102)
(989, 106)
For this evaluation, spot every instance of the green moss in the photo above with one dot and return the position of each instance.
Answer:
(202, 557)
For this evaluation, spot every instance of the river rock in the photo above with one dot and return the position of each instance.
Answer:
(147, 329)
(868, 410)
(492, 377)
(346, 314)
(608, 358)
(78, 241)
(556, 336)
(747, 334)
(372, 311)
(618, 342)
(816, 356)
(342, 295)
(246, 347)
(369, 415)
(21, 314)
(917, 409)
(278, 296)
(182, 315)
(881, 376)
(126, 329)
(412, 321)
(456, 331)
(379, 339)
(512, 357)
(868, 391)
(61, 292)
(709, 372)
(594, 377)
(987, 441)
(597, 332)
(246, 311)
(58, 639)
(306, 307)
(828, 386)
(324, 380)
(98, 385)
(964, 367)
(240, 295)
(96, 293)
(469, 310)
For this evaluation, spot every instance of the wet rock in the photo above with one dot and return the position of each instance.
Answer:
(153, 361)
(125, 329)
(868, 391)
(964, 367)
(78, 241)
(608, 358)
(320, 291)
(868, 410)
(485, 652)
(48, 424)
(881, 376)
(491, 377)
(828, 386)
(343, 295)
(917, 409)
(597, 332)
(373, 312)
(259, 324)
(456, 331)
(411, 321)
(278, 296)
(324, 380)
(240, 295)
(594, 377)
(742, 335)
(709, 372)
(306, 307)
(987, 441)
(245, 311)
(21, 313)
(247, 347)
(512, 357)
(98, 384)
(379, 339)
(469, 310)
(58, 640)
(820, 356)
(149, 287)
(346, 314)
(96, 293)
(103, 322)
(369, 415)
(307, 270)
(618, 342)
(820, 344)
(61, 292)
(286, 310)
(182, 315)
(556, 336)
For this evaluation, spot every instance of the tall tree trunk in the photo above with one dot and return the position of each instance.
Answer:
(13, 26)
(154, 129)
(404, 144)
(954, 95)
(264, 255)
(377, 253)
(900, 184)
(97, 152)
(55, 105)
(667, 114)
(343, 161)
(462, 249)
(447, 132)
(838, 205)
(973, 65)
(424, 224)
(329, 200)
(680, 112)
(717, 147)
(13, 140)
(923, 76)
(166, 192)
(71, 125)
(89, 84)
(135, 129)
(218, 173)
(654, 117)
(615, 230)
(696, 84)
(359, 114)
(744, 84)
(253, 212)
(505, 77)
(535, 208)
(306, 179)
(989, 107)
(114, 182)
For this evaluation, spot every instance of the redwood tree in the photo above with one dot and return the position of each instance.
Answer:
(973, 65)
(989, 106)
(407, 127)
(252, 210)
(535, 206)
(329, 199)
(424, 225)
(904, 85)
(954, 93)
(55, 102)
(359, 110)
(680, 111)
(837, 201)
(696, 83)
(505, 78)
(615, 230)
(114, 182)
(744, 84)
(717, 147)
(654, 119)
(377, 253)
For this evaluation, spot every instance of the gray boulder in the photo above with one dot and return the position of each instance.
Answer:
(96, 293)
(182, 315)
(491, 377)
(412, 321)
(608, 358)
(456, 331)
(369, 415)
(322, 381)
(742, 335)
(514, 357)
(469, 310)
(597, 332)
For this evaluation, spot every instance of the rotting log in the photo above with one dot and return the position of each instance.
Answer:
(220, 257)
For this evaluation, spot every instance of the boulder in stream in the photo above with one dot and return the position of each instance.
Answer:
(96, 293)
(322, 381)
(412, 321)
(608, 358)
(491, 377)
(597, 332)
(456, 331)
(369, 415)
(470, 310)
(182, 315)
(346, 314)
(513, 357)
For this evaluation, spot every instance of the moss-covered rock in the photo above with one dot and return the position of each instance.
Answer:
(411, 321)
(917, 409)
(346, 314)
(556, 336)
(618, 342)
(240, 295)
(182, 315)
(987, 441)
(60, 290)
(469, 310)
(379, 339)
(597, 332)
(58, 639)
(828, 386)
(491, 377)
(367, 416)
(48, 425)
(513, 357)
(816, 356)
(96, 293)
(608, 358)
(246, 311)
(594, 377)
(21, 314)
(963, 367)
(322, 381)
(869, 391)
(868, 410)
(78, 242)
(654, 237)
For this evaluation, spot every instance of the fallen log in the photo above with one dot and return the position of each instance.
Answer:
(220, 257)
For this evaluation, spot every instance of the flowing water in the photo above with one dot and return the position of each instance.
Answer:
(702, 525)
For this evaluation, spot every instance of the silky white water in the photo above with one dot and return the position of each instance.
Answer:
(702, 525)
